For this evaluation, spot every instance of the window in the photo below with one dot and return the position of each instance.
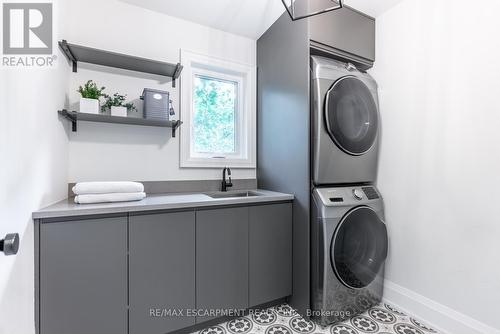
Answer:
(218, 113)
(215, 109)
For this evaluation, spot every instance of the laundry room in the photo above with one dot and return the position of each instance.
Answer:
(249, 167)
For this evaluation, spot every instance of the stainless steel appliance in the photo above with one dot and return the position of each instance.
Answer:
(345, 123)
(349, 249)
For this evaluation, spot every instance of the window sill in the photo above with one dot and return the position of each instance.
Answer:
(219, 163)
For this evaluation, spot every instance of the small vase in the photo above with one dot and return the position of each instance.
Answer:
(119, 111)
(89, 106)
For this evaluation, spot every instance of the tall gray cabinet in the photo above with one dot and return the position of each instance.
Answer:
(283, 115)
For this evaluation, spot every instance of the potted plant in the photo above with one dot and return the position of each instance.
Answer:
(117, 105)
(89, 103)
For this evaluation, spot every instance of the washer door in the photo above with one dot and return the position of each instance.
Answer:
(359, 247)
(351, 115)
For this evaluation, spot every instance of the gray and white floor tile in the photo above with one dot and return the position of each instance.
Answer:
(282, 319)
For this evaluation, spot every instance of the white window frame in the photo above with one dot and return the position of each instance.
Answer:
(245, 128)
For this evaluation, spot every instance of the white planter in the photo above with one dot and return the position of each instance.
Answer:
(89, 106)
(119, 111)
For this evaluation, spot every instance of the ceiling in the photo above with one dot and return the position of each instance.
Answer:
(249, 18)
(372, 7)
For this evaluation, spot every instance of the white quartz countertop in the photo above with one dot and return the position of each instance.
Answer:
(67, 208)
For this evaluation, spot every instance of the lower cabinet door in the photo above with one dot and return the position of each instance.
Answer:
(83, 276)
(270, 252)
(161, 272)
(221, 261)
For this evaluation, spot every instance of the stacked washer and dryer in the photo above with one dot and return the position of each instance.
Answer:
(317, 138)
(348, 235)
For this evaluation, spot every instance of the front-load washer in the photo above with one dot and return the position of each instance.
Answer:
(345, 123)
(349, 248)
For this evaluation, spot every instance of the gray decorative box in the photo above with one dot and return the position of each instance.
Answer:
(156, 104)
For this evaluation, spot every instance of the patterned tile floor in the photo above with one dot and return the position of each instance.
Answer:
(282, 319)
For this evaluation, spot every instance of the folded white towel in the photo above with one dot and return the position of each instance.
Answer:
(109, 198)
(85, 188)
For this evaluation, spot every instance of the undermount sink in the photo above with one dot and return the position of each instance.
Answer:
(231, 194)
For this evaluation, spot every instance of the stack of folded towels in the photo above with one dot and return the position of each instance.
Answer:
(108, 192)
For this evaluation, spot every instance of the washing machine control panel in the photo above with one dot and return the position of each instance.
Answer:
(357, 193)
(347, 195)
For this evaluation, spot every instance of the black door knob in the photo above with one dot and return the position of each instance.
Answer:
(10, 245)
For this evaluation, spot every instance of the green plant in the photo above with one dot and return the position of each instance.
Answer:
(91, 91)
(117, 100)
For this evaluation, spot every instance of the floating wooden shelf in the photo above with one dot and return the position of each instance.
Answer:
(77, 53)
(74, 117)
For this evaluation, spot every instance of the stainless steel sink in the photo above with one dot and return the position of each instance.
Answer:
(233, 194)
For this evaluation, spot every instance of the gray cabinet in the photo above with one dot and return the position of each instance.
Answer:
(349, 32)
(83, 276)
(221, 260)
(141, 273)
(270, 246)
(161, 272)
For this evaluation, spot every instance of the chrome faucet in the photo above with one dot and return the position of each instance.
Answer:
(226, 184)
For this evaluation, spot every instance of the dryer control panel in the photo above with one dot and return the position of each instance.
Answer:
(347, 196)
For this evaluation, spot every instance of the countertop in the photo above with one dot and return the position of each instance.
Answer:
(67, 208)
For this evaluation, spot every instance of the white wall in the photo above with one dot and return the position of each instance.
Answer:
(33, 174)
(118, 152)
(439, 74)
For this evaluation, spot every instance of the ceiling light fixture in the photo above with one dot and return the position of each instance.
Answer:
(292, 11)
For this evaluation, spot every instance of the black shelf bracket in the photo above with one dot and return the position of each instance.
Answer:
(175, 126)
(67, 52)
(177, 73)
(64, 113)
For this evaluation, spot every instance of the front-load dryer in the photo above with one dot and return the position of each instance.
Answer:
(349, 248)
(345, 121)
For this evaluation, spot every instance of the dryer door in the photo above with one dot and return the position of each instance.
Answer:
(351, 115)
(359, 247)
